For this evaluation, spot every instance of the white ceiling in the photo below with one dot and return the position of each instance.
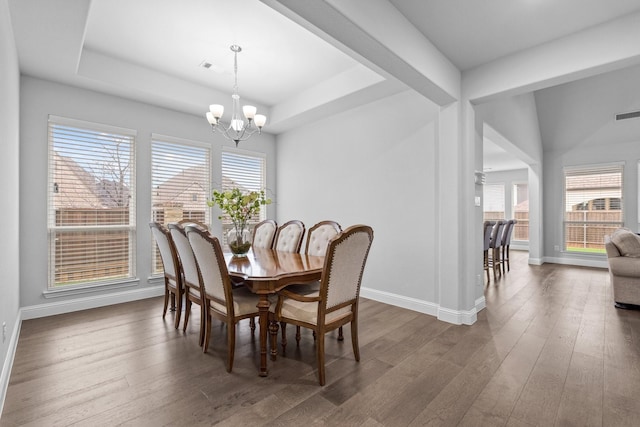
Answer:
(150, 50)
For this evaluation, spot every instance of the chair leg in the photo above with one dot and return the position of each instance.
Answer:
(178, 310)
(172, 297)
(252, 324)
(166, 301)
(231, 343)
(354, 339)
(503, 261)
(507, 259)
(298, 335)
(187, 312)
(204, 323)
(340, 336)
(207, 331)
(283, 326)
(320, 356)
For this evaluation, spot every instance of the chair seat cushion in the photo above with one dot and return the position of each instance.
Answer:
(305, 289)
(627, 242)
(244, 303)
(308, 311)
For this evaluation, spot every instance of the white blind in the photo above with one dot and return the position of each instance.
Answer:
(180, 179)
(91, 203)
(521, 211)
(247, 171)
(493, 205)
(593, 206)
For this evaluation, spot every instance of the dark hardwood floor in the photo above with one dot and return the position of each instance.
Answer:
(549, 349)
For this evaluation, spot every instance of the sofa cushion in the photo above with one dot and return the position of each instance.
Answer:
(627, 242)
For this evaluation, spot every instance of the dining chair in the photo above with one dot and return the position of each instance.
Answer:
(318, 238)
(173, 288)
(264, 234)
(506, 242)
(219, 299)
(289, 236)
(190, 278)
(488, 229)
(494, 246)
(336, 302)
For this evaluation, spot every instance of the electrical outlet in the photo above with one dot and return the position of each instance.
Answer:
(556, 248)
(4, 331)
(479, 279)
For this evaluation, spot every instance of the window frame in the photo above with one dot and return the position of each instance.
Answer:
(54, 230)
(165, 140)
(588, 170)
(513, 208)
(256, 155)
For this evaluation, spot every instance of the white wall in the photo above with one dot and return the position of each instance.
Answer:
(9, 178)
(373, 165)
(41, 98)
(578, 128)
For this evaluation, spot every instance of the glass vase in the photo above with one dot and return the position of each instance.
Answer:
(239, 241)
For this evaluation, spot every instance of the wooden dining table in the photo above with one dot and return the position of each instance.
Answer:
(266, 271)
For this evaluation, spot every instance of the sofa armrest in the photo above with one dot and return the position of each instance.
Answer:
(612, 250)
(625, 266)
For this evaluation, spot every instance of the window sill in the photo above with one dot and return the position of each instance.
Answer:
(87, 289)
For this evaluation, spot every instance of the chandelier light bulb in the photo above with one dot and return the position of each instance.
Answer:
(249, 111)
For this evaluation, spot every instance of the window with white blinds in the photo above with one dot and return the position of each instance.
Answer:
(493, 205)
(180, 179)
(247, 171)
(593, 206)
(91, 203)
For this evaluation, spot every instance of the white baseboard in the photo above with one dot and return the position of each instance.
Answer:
(596, 263)
(536, 261)
(457, 317)
(94, 301)
(8, 361)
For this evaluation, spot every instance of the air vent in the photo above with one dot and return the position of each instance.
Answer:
(630, 115)
(209, 65)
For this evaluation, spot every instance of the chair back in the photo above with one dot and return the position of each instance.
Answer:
(187, 259)
(289, 236)
(343, 267)
(488, 229)
(188, 221)
(264, 233)
(506, 235)
(168, 253)
(319, 235)
(212, 267)
(496, 236)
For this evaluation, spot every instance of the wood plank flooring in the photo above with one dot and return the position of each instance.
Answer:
(549, 349)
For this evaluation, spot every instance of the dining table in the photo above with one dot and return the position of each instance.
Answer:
(266, 271)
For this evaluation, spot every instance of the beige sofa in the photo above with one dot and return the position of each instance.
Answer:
(623, 253)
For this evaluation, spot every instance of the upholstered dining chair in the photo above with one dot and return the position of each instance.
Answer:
(289, 236)
(506, 242)
(264, 233)
(494, 245)
(190, 277)
(318, 238)
(488, 229)
(173, 288)
(336, 302)
(220, 300)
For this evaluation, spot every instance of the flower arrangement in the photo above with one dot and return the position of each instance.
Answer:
(239, 206)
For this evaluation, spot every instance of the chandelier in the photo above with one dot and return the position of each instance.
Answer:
(237, 130)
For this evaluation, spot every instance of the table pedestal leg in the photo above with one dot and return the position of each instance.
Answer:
(273, 329)
(263, 307)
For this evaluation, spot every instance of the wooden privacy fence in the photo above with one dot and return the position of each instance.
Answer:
(586, 229)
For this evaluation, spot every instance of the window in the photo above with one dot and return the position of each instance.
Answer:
(91, 203)
(246, 170)
(521, 212)
(493, 207)
(180, 177)
(593, 206)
